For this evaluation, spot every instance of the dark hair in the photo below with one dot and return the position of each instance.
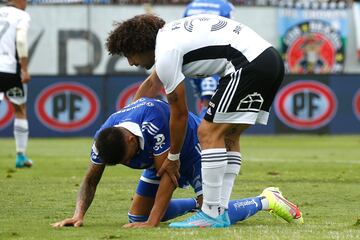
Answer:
(135, 35)
(111, 145)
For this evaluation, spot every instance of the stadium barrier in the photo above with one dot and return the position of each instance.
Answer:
(77, 105)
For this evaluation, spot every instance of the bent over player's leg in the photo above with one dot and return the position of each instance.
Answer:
(232, 143)
(214, 161)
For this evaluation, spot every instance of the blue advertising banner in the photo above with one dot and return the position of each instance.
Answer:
(120, 91)
(123, 89)
(6, 118)
(305, 104)
(347, 90)
(318, 104)
(77, 106)
(313, 40)
(59, 106)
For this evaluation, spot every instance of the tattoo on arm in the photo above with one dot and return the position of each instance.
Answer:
(88, 189)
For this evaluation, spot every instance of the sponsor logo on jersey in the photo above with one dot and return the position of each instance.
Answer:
(160, 138)
(356, 104)
(6, 113)
(305, 105)
(67, 106)
(313, 47)
(126, 96)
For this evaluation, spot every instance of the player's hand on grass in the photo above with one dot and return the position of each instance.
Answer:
(139, 225)
(72, 222)
(172, 169)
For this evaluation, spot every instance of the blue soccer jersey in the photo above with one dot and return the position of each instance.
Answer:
(218, 7)
(204, 88)
(149, 120)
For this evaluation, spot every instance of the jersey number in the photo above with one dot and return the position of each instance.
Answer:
(189, 25)
(4, 25)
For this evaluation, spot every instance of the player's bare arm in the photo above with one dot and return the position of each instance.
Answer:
(178, 125)
(149, 88)
(88, 189)
(85, 196)
(162, 199)
(25, 76)
(22, 51)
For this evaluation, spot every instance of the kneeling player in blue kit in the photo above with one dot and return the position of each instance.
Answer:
(138, 136)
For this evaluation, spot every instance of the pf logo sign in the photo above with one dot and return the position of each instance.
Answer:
(356, 104)
(126, 96)
(67, 106)
(305, 105)
(6, 113)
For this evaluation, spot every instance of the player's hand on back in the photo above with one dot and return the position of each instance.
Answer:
(68, 222)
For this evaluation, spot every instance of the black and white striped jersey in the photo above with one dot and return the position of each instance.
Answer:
(11, 19)
(204, 45)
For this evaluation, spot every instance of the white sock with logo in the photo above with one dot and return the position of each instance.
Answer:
(264, 203)
(21, 134)
(213, 165)
(232, 170)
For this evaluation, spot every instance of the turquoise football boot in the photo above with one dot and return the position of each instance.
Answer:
(22, 161)
(201, 220)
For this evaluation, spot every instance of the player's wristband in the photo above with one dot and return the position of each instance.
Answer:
(173, 157)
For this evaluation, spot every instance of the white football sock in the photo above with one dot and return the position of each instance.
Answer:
(213, 164)
(21, 134)
(232, 170)
(264, 203)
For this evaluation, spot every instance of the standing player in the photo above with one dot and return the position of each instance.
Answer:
(138, 136)
(14, 24)
(251, 72)
(204, 88)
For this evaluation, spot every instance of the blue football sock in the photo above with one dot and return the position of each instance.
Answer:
(241, 209)
(137, 218)
(178, 207)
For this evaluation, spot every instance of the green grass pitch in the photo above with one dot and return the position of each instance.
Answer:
(319, 173)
